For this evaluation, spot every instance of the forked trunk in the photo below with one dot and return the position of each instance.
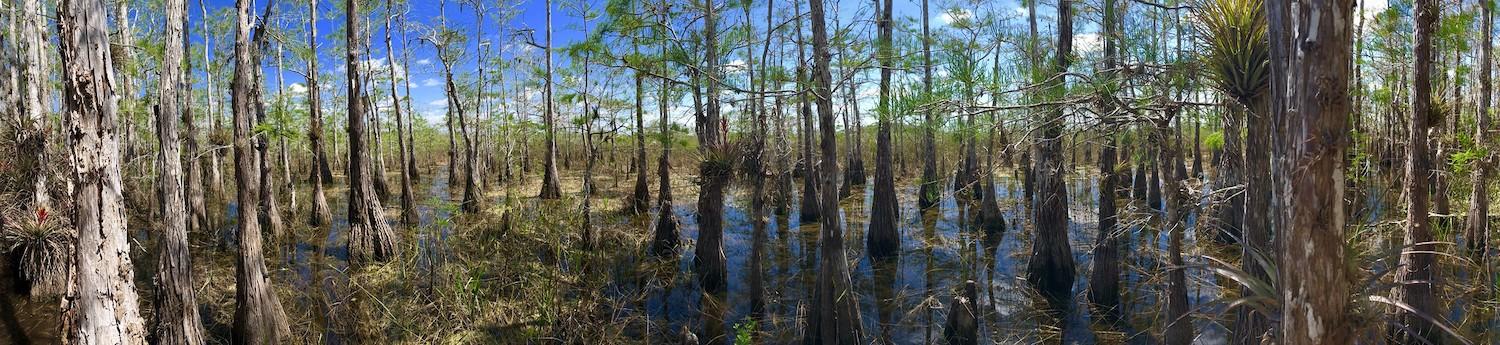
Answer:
(258, 317)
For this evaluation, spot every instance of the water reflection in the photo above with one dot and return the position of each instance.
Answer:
(772, 264)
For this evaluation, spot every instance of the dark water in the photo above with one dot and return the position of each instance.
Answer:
(905, 301)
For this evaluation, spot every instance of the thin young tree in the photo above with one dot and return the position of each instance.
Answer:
(1476, 229)
(834, 318)
(370, 237)
(928, 195)
(102, 300)
(197, 209)
(665, 237)
(321, 213)
(408, 199)
(640, 197)
(551, 187)
(177, 320)
(34, 74)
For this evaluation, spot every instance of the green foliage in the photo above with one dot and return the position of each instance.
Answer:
(744, 332)
(1214, 140)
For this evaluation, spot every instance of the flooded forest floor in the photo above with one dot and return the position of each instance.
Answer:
(515, 273)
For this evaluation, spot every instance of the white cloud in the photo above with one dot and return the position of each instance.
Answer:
(431, 82)
(735, 65)
(1371, 9)
(955, 15)
(1088, 42)
(424, 62)
(296, 89)
(440, 103)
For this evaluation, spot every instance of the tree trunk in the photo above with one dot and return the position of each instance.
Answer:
(1179, 329)
(1476, 229)
(929, 194)
(1050, 269)
(714, 168)
(665, 237)
(32, 33)
(321, 213)
(551, 187)
(1104, 278)
(410, 155)
(884, 240)
(834, 318)
(287, 186)
(177, 320)
(640, 199)
(1418, 264)
(470, 201)
(408, 198)
(1255, 239)
(370, 237)
(106, 302)
(809, 211)
(1314, 112)
(197, 211)
(258, 317)
(270, 214)
(1231, 171)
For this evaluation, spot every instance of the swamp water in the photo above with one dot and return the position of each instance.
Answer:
(903, 301)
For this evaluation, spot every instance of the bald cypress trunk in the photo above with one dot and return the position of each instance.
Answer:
(1476, 229)
(105, 304)
(640, 197)
(258, 317)
(197, 209)
(1104, 278)
(177, 320)
(1418, 264)
(1179, 329)
(551, 188)
(1050, 269)
(809, 211)
(321, 213)
(834, 318)
(370, 237)
(32, 29)
(884, 240)
(1313, 112)
(408, 199)
(715, 168)
(665, 237)
(928, 195)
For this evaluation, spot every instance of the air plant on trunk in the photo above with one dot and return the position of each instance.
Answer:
(42, 248)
